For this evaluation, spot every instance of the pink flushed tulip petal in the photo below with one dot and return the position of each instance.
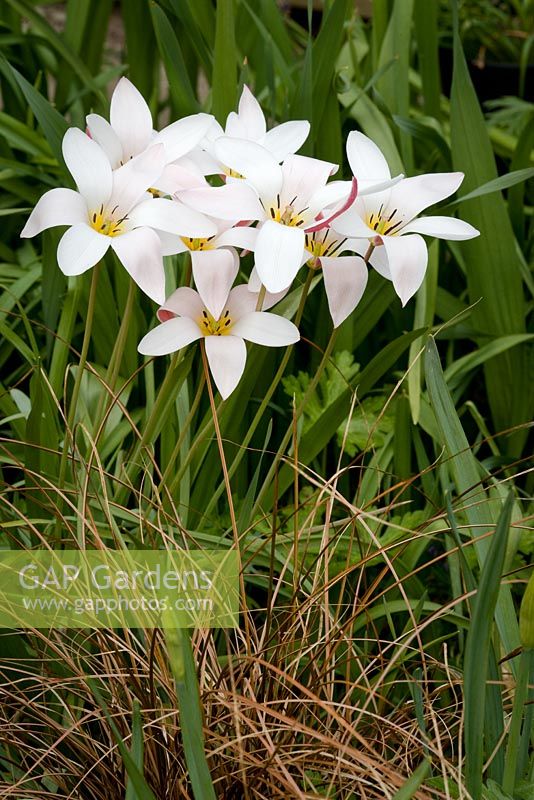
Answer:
(169, 337)
(345, 279)
(55, 207)
(227, 356)
(80, 248)
(139, 251)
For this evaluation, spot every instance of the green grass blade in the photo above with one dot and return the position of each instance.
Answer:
(467, 476)
(407, 791)
(477, 651)
(137, 750)
(185, 678)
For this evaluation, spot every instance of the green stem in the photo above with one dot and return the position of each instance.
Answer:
(69, 433)
(164, 399)
(261, 297)
(187, 422)
(267, 397)
(116, 356)
(514, 736)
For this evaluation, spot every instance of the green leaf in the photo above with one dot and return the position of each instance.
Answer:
(224, 83)
(407, 791)
(466, 474)
(497, 185)
(477, 651)
(185, 679)
(493, 267)
(52, 123)
(182, 93)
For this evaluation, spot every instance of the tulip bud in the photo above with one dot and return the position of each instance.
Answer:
(526, 616)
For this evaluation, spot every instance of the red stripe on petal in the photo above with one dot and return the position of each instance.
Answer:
(325, 223)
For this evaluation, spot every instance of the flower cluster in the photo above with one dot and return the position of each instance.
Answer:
(146, 194)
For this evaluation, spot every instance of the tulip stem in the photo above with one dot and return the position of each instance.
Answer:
(69, 433)
(261, 297)
(116, 356)
(269, 393)
(185, 427)
(226, 480)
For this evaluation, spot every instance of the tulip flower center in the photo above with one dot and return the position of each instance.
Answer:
(197, 244)
(385, 223)
(232, 173)
(105, 223)
(322, 243)
(215, 327)
(287, 215)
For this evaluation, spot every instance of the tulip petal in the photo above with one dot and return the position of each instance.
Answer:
(130, 118)
(407, 260)
(442, 228)
(303, 177)
(286, 138)
(233, 201)
(182, 136)
(176, 178)
(227, 356)
(214, 272)
(352, 222)
(172, 216)
(412, 195)
(249, 122)
(345, 279)
(241, 301)
(184, 302)
(238, 236)
(366, 159)
(379, 260)
(101, 131)
(171, 244)
(254, 162)
(139, 252)
(271, 330)
(55, 207)
(89, 166)
(80, 248)
(169, 337)
(278, 255)
(131, 181)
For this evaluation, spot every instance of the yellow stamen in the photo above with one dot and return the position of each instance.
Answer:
(215, 327)
(197, 244)
(105, 223)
